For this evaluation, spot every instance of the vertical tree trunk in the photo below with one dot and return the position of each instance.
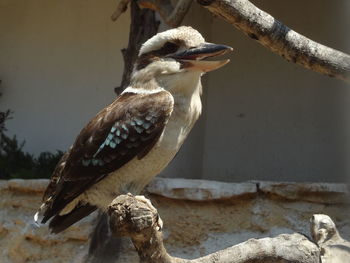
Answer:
(104, 247)
(143, 26)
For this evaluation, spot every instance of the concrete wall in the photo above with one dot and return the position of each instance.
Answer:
(270, 119)
(59, 63)
(264, 118)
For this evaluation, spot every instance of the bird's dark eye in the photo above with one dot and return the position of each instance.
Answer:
(168, 48)
(147, 58)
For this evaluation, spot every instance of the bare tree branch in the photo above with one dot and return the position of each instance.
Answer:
(143, 26)
(121, 8)
(171, 15)
(135, 217)
(280, 39)
(334, 249)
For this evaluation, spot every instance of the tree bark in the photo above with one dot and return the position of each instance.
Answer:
(121, 8)
(334, 249)
(280, 39)
(135, 217)
(143, 26)
(171, 14)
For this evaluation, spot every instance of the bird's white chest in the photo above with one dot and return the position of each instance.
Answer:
(136, 174)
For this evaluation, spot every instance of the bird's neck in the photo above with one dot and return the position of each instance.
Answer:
(183, 87)
(185, 84)
(186, 90)
(187, 109)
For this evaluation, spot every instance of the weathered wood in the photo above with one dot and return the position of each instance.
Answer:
(121, 8)
(143, 26)
(266, 30)
(136, 218)
(334, 249)
(280, 39)
(172, 15)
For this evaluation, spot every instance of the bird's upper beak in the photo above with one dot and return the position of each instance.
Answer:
(193, 58)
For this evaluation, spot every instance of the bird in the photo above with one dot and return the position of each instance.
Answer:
(134, 138)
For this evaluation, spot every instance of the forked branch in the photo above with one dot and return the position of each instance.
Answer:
(171, 14)
(136, 218)
(266, 30)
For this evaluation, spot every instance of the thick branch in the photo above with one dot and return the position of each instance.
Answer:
(143, 26)
(333, 247)
(280, 39)
(171, 15)
(136, 218)
(121, 8)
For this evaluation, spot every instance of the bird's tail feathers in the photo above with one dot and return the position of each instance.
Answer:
(61, 222)
(39, 215)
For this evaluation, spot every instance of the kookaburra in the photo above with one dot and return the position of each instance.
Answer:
(133, 139)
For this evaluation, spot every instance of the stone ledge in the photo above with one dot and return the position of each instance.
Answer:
(24, 185)
(199, 190)
(328, 193)
(205, 190)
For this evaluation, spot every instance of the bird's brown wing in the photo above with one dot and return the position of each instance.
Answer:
(126, 129)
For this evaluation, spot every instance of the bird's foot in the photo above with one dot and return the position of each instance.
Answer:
(143, 199)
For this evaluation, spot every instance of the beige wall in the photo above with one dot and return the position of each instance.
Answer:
(59, 63)
(277, 120)
(264, 118)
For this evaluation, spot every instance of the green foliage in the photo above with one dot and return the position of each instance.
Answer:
(15, 163)
(4, 115)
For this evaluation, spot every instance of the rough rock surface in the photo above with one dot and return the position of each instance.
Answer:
(199, 217)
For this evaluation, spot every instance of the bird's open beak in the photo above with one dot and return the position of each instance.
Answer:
(193, 58)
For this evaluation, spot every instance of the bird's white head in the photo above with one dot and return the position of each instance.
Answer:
(175, 59)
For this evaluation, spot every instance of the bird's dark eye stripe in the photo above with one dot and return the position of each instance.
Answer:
(147, 58)
(168, 48)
